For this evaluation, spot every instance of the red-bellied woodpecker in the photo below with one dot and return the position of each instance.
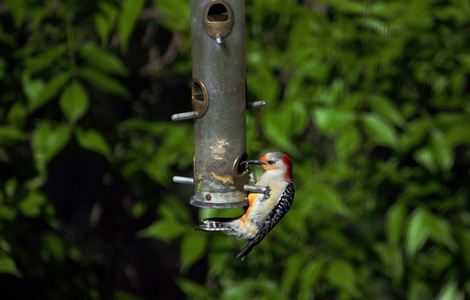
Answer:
(264, 210)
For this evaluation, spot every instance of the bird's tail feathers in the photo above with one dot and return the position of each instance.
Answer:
(216, 224)
(242, 255)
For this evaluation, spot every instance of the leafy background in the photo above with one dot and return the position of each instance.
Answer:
(370, 98)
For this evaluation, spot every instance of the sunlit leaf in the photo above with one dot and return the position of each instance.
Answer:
(331, 121)
(440, 231)
(328, 198)
(193, 289)
(47, 141)
(309, 277)
(175, 14)
(442, 153)
(263, 84)
(102, 59)
(94, 141)
(450, 292)
(342, 275)
(130, 11)
(11, 135)
(8, 265)
(105, 19)
(74, 101)
(103, 81)
(53, 246)
(18, 10)
(417, 231)
(45, 59)
(291, 272)
(348, 142)
(379, 130)
(42, 94)
(395, 223)
(425, 158)
(386, 109)
(31, 205)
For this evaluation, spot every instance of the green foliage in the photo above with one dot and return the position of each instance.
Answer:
(74, 101)
(370, 98)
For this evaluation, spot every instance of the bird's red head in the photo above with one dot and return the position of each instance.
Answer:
(277, 161)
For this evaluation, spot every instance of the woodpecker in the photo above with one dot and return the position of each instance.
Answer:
(264, 209)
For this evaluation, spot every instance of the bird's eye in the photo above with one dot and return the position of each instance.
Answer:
(271, 162)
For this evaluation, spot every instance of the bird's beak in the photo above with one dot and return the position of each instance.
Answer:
(252, 162)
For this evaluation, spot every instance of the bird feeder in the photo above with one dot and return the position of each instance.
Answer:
(219, 104)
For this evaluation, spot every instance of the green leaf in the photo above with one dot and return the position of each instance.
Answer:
(165, 230)
(130, 11)
(395, 220)
(193, 247)
(17, 114)
(264, 84)
(175, 14)
(47, 141)
(331, 121)
(18, 10)
(450, 292)
(74, 101)
(342, 275)
(414, 134)
(281, 126)
(425, 158)
(386, 109)
(104, 21)
(442, 153)
(309, 276)
(193, 290)
(348, 142)
(417, 232)
(328, 198)
(8, 265)
(174, 209)
(53, 246)
(291, 272)
(392, 260)
(101, 59)
(94, 141)
(458, 135)
(47, 58)
(41, 95)
(122, 295)
(379, 130)
(32, 88)
(31, 205)
(103, 82)
(440, 231)
(10, 135)
(7, 213)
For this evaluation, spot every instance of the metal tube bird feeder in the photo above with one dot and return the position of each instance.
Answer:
(219, 103)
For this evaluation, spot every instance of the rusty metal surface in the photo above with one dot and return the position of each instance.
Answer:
(220, 133)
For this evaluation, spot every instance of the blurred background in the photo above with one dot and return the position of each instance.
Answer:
(371, 98)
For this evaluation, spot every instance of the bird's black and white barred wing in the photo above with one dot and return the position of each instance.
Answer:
(283, 205)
